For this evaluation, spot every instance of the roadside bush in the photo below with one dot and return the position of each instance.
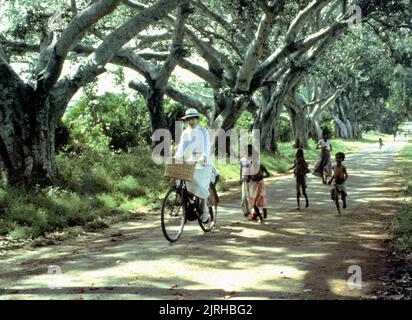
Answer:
(62, 136)
(85, 134)
(110, 121)
(409, 187)
(284, 131)
(330, 126)
(245, 121)
(403, 228)
(94, 189)
(131, 187)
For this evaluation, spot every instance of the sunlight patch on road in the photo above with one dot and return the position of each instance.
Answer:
(340, 287)
(251, 250)
(378, 189)
(308, 255)
(302, 231)
(370, 235)
(371, 200)
(370, 173)
(50, 281)
(251, 277)
(249, 233)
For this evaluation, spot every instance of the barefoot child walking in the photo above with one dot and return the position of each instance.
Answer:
(252, 173)
(340, 175)
(323, 167)
(301, 168)
(380, 143)
(258, 193)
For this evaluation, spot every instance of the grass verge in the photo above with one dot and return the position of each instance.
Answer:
(402, 227)
(399, 281)
(94, 191)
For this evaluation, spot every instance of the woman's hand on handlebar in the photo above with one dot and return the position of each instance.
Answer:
(201, 161)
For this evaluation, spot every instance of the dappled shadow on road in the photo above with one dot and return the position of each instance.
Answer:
(295, 254)
(134, 292)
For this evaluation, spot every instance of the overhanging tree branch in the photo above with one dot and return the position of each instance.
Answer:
(139, 87)
(222, 21)
(254, 52)
(269, 65)
(113, 42)
(216, 60)
(8, 77)
(188, 101)
(74, 31)
(177, 50)
(301, 19)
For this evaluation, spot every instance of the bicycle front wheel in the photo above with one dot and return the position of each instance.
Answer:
(173, 216)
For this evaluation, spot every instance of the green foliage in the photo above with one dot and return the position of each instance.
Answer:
(245, 121)
(329, 125)
(400, 98)
(85, 133)
(409, 187)
(94, 189)
(106, 201)
(381, 85)
(31, 214)
(284, 131)
(111, 120)
(402, 226)
(62, 136)
(131, 187)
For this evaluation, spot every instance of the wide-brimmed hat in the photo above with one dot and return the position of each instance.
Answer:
(191, 113)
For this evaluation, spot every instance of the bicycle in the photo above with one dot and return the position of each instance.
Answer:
(180, 206)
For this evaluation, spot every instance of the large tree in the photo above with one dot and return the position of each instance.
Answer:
(373, 89)
(30, 110)
(259, 49)
(305, 103)
(254, 54)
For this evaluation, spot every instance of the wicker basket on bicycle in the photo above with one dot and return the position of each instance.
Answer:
(180, 171)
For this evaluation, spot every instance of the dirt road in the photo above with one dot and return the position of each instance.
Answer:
(294, 255)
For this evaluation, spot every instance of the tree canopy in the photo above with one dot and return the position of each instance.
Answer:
(314, 59)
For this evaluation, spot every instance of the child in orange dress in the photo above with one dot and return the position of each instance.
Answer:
(258, 194)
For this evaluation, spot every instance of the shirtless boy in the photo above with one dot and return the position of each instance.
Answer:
(340, 175)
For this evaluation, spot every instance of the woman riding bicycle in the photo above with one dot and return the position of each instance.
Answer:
(194, 146)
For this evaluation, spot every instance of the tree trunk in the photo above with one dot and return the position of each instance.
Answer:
(269, 126)
(357, 132)
(27, 140)
(301, 129)
(315, 130)
(341, 128)
(155, 101)
(228, 108)
(349, 129)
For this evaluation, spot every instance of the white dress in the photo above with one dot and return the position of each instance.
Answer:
(245, 165)
(194, 146)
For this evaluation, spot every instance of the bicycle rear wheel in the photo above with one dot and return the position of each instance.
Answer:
(212, 207)
(173, 215)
